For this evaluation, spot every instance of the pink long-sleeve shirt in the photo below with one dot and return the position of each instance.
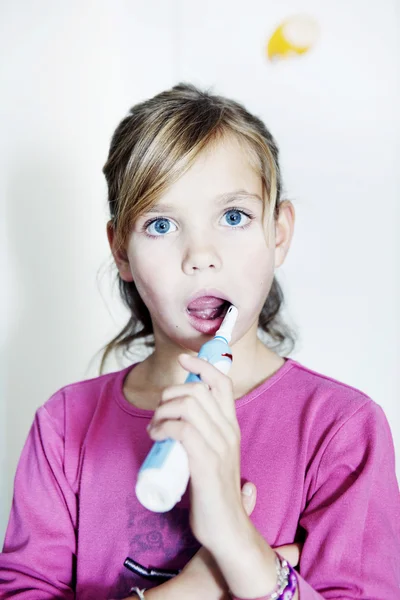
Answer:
(320, 453)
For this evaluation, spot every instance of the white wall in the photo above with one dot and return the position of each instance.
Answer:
(74, 69)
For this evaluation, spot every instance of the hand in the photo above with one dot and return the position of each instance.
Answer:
(202, 417)
(202, 571)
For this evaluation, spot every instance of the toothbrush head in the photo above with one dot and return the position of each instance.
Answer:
(228, 323)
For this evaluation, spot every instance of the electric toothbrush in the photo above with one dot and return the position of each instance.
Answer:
(164, 475)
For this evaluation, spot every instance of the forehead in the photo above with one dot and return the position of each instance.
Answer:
(222, 168)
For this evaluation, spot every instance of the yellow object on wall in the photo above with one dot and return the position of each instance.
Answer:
(294, 36)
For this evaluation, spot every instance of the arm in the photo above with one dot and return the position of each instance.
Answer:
(39, 546)
(200, 578)
(351, 522)
(183, 588)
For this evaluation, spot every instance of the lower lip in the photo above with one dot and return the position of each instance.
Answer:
(206, 326)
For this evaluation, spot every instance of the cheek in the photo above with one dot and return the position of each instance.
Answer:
(152, 278)
(259, 276)
(255, 269)
(254, 260)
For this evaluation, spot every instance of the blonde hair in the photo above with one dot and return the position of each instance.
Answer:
(152, 147)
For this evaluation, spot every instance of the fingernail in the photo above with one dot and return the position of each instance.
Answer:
(247, 490)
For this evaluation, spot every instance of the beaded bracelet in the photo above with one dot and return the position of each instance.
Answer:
(286, 585)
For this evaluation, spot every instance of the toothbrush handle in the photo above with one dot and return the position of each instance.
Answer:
(192, 378)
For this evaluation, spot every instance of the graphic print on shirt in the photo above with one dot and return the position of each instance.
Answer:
(162, 540)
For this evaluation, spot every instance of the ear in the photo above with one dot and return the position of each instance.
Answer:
(120, 256)
(284, 227)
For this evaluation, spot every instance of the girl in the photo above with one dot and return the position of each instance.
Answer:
(198, 222)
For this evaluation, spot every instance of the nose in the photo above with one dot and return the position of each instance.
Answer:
(200, 255)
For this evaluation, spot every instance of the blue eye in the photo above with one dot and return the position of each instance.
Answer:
(160, 227)
(234, 217)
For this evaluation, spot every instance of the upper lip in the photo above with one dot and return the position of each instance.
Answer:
(208, 292)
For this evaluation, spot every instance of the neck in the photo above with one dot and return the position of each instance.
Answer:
(252, 363)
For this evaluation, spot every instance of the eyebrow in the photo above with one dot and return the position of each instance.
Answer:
(221, 199)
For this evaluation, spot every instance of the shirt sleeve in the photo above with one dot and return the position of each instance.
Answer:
(40, 545)
(351, 523)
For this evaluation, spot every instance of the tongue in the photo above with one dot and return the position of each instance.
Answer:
(205, 302)
(207, 307)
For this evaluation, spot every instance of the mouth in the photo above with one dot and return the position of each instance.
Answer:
(206, 312)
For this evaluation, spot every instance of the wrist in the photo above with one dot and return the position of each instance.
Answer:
(286, 587)
(240, 533)
(248, 564)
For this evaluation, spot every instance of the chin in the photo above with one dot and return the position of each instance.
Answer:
(187, 340)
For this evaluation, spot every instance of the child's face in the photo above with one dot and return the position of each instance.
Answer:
(196, 243)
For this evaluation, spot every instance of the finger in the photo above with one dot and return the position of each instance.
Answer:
(188, 409)
(249, 497)
(228, 429)
(202, 458)
(220, 384)
(291, 552)
(203, 395)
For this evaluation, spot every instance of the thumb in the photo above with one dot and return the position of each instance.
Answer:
(291, 552)
(249, 497)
